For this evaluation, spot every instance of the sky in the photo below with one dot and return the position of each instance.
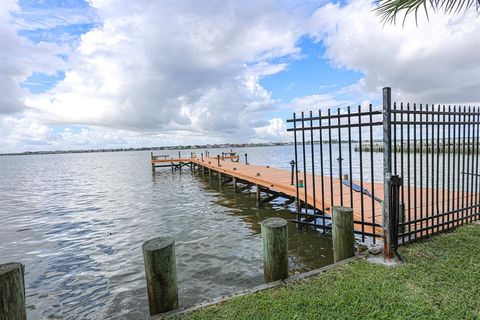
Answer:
(78, 74)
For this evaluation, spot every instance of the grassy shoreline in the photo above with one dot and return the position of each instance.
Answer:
(441, 280)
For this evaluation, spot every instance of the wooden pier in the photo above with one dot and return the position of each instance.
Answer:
(276, 183)
(272, 183)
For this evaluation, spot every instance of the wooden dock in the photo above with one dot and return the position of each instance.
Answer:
(276, 182)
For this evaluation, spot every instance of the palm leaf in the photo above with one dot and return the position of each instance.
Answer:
(390, 9)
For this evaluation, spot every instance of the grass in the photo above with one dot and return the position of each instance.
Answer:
(441, 280)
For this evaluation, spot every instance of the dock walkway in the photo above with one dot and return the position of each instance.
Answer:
(278, 182)
(420, 209)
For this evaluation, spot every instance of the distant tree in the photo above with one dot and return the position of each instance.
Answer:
(389, 10)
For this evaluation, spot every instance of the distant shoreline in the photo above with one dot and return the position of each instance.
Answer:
(207, 146)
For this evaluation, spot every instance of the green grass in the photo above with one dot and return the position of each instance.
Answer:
(441, 280)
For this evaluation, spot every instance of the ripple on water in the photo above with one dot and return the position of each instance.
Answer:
(78, 221)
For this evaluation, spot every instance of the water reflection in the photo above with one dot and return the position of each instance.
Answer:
(77, 221)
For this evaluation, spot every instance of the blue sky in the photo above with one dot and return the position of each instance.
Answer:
(77, 74)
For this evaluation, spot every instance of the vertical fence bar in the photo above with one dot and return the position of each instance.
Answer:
(321, 166)
(408, 176)
(372, 177)
(402, 195)
(394, 139)
(360, 144)
(454, 164)
(415, 177)
(437, 191)
(340, 169)
(472, 170)
(468, 171)
(297, 200)
(459, 150)
(304, 164)
(463, 165)
(427, 204)
(449, 186)
(312, 150)
(388, 247)
(350, 157)
(421, 163)
(330, 158)
(432, 216)
(443, 168)
(476, 112)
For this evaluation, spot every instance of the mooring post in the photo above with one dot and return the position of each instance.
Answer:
(275, 249)
(257, 195)
(151, 160)
(292, 163)
(201, 154)
(218, 160)
(161, 274)
(12, 292)
(387, 173)
(342, 233)
(246, 158)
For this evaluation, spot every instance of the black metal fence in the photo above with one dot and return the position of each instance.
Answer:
(329, 172)
(408, 171)
(436, 151)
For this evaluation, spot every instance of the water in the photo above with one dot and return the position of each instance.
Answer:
(77, 221)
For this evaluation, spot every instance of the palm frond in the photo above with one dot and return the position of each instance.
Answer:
(388, 10)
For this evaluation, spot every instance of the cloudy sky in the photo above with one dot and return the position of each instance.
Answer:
(78, 74)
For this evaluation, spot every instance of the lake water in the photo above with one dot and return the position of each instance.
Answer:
(77, 221)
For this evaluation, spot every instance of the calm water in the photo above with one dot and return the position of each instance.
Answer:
(77, 221)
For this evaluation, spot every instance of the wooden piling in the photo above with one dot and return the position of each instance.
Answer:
(234, 179)
(258, 195)
(342, 233)
(153, 164)
(275, 249)
(161, 274)
(12, 292)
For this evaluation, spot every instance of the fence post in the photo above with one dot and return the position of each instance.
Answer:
(161, 274)
(342, 233)
(275, 249)
(395, 208)
(12, 291)
(387, 173)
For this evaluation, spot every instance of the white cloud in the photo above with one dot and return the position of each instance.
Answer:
(183, 72)
(316, 102)
(19, 58)
(170, 65)
(434, 62)
(275, 130)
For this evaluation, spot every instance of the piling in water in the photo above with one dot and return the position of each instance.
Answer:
(161, 274)
(12, 292)
(275, 249)
(342, 233)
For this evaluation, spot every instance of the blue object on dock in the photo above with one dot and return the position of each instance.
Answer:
(358, 188)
